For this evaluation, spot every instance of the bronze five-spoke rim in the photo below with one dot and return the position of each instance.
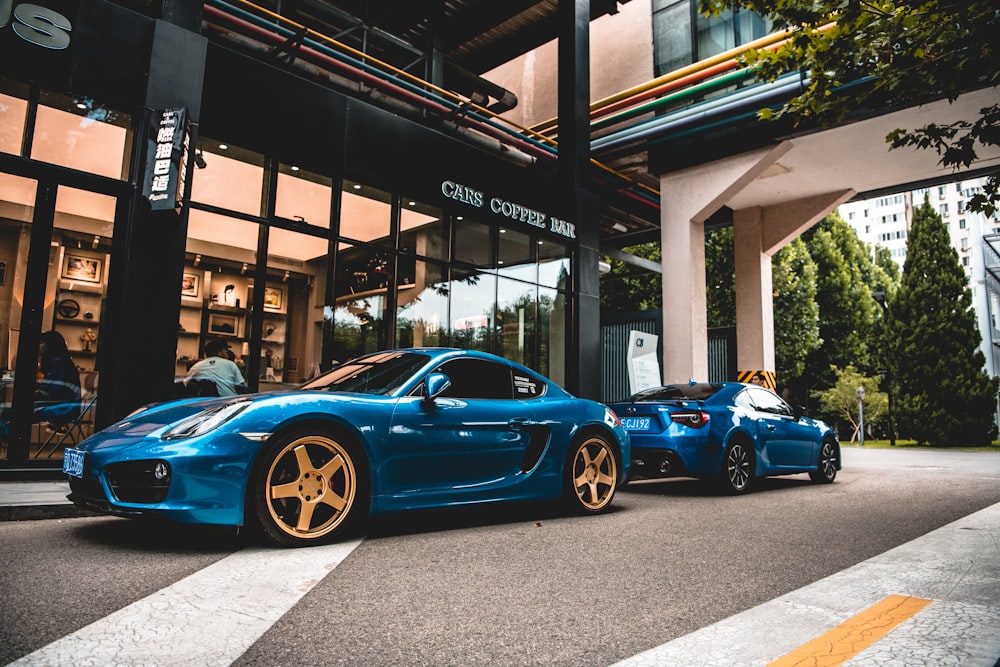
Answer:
(595, 472)
(311, 486)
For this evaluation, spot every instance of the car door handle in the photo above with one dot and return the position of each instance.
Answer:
(518, 422)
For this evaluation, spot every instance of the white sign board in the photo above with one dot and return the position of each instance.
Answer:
(643, 364)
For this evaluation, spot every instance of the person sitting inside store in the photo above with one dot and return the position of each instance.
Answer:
(219, 367)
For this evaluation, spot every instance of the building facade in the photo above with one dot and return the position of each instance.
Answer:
(159, 190)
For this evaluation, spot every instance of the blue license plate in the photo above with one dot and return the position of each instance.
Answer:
(73, 462)
(636, 423)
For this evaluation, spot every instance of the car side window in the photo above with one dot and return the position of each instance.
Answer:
(767, 401)
(477, 378)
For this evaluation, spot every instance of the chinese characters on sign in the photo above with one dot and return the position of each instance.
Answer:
(166, 159)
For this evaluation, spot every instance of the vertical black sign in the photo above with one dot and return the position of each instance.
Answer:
(166, 159)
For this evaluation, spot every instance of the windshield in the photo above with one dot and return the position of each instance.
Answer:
(379, 373)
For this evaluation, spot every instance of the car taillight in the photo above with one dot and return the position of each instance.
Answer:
(694, 418)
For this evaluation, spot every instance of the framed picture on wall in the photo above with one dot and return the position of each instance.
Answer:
(189, 285)
(272, 298)
(223, 325)
(78, 267)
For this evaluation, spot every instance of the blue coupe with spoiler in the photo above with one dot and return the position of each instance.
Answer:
(728, 432)
(393, 430)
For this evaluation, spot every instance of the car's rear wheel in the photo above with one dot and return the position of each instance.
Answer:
(309, 487)
(826, 469)
(591, 474)
(737, 467)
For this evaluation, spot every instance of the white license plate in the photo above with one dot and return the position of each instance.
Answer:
(636, 423)
(73, 462)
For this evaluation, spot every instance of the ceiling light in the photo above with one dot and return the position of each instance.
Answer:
(619, 227)
(284, 278)
(294, 168)
(197, 260)
(223, 147)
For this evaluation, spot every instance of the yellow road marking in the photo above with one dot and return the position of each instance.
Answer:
(853, 635)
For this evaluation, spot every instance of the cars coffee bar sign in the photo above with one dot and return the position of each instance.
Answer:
(166, 159)
(508, 209)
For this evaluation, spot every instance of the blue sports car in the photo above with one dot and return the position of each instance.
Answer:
(393, 430)
(726, 432)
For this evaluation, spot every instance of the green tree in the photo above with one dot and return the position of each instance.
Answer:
(720, 277)
(840, 402)
(627, 287)
(796, 313)
(889, 54)
(943, 394)
(847, 312)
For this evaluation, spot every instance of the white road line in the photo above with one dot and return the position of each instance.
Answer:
(239, 598)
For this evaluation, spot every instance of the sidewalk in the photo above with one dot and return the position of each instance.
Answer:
(26, 501)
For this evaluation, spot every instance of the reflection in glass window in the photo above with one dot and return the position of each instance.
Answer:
(516, 308)
(517, 255)
(553, 265)
(363, 276)
(473, 295)
(423, 229)
(474, 244)
(365, 213)
(422, 304)
(79, 133)
(228, 177)
(552, 335)
(303, 196)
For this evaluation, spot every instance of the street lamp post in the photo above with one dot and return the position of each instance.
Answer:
(879, 298)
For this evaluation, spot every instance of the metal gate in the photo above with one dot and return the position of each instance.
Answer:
(615, 328)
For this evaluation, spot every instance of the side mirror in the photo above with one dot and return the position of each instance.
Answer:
(435, 385)
(799, 411)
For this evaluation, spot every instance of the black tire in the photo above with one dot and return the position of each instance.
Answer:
(309, 487)
(736, 476)
(591, 476)
(829, 458)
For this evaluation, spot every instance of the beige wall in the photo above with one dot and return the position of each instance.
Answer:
(621, 56)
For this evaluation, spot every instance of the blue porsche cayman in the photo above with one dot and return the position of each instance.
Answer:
(394, 430)
(726, 432)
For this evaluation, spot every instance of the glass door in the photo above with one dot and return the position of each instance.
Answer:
(55, 250)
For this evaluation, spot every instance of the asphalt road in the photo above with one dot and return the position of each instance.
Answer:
(505, 585)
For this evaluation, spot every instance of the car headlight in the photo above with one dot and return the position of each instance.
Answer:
(206, 421)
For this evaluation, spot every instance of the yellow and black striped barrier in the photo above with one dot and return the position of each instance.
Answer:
(766, 378)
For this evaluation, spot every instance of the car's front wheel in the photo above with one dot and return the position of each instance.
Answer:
(737, 467)
(826, 469)
(309, 487)
(591, 474)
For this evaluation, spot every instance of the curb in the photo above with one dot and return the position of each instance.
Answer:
(35, 512)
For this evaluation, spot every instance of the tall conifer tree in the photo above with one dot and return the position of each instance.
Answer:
(943, 393)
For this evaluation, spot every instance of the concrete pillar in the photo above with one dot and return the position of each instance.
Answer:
(758, 233)
(688, 198)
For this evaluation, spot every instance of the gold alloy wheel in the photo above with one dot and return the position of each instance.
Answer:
(311, 487)
(595, 473)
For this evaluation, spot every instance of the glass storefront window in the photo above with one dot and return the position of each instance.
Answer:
(421, 304)
(553, 265)
(79, 133)
(365, 213)
(516, 308)
(303, 196)
(362, 282)
(423, 229)
(552, 310)
(291, 336)
(13, 115)
(473, 297)
(474, 244)
(517, 256)
(228, 177)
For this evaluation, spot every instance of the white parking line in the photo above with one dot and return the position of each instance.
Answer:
(238, 598)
